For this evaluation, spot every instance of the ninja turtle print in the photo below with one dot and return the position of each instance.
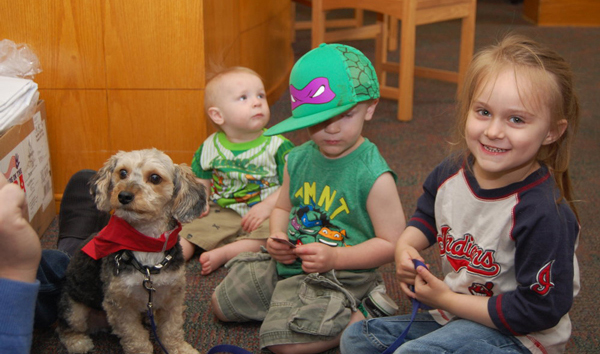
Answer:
(309, 224)
(361, 74)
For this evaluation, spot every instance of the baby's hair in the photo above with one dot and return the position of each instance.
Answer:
(213, 79)
(552, 77)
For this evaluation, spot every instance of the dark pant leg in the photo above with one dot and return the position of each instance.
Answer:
(51, 274)
(77, 220)
(78, 217)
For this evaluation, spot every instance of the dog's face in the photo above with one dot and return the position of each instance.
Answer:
(145, 185)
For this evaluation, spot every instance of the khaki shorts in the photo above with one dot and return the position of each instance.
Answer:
(304, 308)
(220, 227)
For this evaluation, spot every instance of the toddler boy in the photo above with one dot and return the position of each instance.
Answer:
(241, 167)
(338, 208)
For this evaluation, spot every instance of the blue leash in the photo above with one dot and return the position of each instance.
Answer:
(416, 304)
(153, 325)
(227, 348)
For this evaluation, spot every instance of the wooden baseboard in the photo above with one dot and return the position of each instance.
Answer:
(562, 12)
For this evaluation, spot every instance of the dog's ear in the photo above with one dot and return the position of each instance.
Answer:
(101, 184)
(189, 196)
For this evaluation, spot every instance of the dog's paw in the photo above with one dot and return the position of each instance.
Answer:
(77, 343)
(184, 348)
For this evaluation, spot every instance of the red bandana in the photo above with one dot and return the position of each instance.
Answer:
(119, 235)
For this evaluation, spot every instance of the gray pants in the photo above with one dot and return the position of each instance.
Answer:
(300, 309)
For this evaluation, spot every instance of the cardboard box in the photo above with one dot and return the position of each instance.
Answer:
(25, 160)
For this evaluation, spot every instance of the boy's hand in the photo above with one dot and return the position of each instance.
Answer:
(206, 210)
(281, 252)
(317, 257)
(257, 214)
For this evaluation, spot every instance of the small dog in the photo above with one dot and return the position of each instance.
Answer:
(150, 196)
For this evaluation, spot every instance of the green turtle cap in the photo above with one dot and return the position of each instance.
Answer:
(325, 82)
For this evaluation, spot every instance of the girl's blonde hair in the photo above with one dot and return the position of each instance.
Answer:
(552, 78)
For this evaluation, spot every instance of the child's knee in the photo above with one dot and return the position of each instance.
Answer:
(350, 336)
(291, 349)
(217, 309)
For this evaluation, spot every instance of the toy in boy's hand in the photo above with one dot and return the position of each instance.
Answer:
(285, 242)
(418, 263)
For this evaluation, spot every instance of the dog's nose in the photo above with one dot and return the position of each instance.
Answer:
(125, 197)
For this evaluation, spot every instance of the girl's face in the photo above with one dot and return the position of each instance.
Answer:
(340, 135)
(504, 134)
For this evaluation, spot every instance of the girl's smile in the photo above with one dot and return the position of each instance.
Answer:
(505, 129)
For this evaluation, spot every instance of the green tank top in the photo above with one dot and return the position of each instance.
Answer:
(329, 197)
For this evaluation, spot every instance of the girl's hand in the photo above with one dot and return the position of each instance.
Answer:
(281, 252)
(257, 214)
(317, 257)
(432, 291)
(405, 268)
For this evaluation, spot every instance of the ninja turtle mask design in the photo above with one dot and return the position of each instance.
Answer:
(315, 92)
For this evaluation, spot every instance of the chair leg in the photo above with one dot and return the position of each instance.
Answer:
(318, 23)
(467, 43)
(407, 61)
(392, 27)
(358, 18)
(293, 20)
(380, 52)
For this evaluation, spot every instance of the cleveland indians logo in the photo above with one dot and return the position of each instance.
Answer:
(465, 253)
(482, 289)
(315, 92)
(544, 280)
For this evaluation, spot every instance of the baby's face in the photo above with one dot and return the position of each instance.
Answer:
(243, 103)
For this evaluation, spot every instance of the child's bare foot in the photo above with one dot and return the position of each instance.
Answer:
(212, 260)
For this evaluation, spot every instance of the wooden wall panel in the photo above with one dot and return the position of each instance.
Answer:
(247, 31)
(563, 12)
(169, 120)
(260, 12)
(154, 45)
(66, 36)
(77, 124)
(130, 74)
(221, 41)
(274, 35)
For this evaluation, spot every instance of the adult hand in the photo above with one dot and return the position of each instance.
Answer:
(20, 250)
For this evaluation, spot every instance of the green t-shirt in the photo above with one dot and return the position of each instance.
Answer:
(242, 174)
(329, 197)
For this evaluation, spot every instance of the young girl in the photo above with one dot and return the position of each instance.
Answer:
(500, 209)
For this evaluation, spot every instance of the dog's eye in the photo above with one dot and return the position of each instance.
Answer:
(155, 179)
(123, 174)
